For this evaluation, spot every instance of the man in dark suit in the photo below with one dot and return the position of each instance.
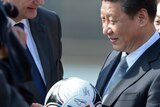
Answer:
(43, 30)
(129, 26)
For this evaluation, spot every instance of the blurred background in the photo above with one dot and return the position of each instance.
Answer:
(84, 45)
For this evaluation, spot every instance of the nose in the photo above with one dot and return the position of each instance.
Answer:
(39, 2)
(107, 30)
(107, 27)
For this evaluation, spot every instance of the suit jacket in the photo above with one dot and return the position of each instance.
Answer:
(140, 86)
(9, 95)
(46, 32)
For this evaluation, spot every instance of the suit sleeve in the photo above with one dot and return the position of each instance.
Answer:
(56, 36)
(154, 93)
(59, 63)
(53, 25)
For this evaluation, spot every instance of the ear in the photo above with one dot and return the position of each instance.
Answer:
(142, 17)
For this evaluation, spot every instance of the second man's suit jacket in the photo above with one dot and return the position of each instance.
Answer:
(141, 85)
(46, 32)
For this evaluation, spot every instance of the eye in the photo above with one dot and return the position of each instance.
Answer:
(103, 19)
(157, 22)
(113, 22)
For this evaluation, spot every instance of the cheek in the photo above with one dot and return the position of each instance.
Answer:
(22, 10)
(42, 2)
(30, 14)
(124, 35)
(104, 29)
(158, 26)
(15, 2)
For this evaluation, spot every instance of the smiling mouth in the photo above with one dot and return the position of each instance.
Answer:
(113, 40)
(32, 8)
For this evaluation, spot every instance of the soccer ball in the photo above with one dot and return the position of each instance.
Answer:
(73, 92)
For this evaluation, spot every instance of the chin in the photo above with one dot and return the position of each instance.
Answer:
(31, 15)
(117, 48)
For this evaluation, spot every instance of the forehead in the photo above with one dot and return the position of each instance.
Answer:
(13, 1)
(158, 9)
(110, 7)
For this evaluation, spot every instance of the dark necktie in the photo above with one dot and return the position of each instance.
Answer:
(39, 83)
(117, 76)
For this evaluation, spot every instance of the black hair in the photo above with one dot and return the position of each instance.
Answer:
(131, 7)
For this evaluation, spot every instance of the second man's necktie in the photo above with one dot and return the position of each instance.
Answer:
(39, 83)
(117, 76)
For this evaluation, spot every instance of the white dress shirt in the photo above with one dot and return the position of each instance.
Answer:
(31, 45)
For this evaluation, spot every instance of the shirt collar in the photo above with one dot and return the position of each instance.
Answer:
(24, 21)
(133, 56)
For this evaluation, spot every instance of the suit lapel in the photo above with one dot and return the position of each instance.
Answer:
(130, 78)
(105, 73)
(140, 68)
(39, 34)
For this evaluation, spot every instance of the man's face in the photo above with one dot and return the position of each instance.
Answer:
(157, 18)
(121, 30)
(157, 23)
(27, 8)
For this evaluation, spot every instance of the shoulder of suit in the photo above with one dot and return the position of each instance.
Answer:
(46, 12)
(110, 57)
(113, 54)
(46, 16)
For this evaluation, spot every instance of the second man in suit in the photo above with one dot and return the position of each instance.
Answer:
(43, 30)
